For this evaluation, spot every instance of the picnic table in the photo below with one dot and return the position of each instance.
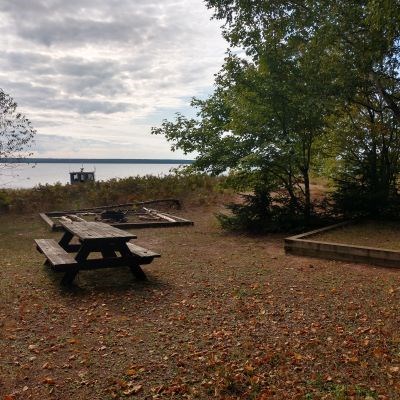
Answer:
(71, 256)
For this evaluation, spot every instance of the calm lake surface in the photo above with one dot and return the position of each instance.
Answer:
(30, 175)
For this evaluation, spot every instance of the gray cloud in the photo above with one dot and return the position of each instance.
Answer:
(73, 31)
(46, 143)
(59, 22)
(43, 97)
(81, 106)
(65, 146)
(80, 67)
(102, 66)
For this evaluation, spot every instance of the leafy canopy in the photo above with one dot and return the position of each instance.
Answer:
(311, 75)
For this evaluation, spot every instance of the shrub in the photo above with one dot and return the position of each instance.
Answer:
(262, 213)
(4, 201)
(192, 189)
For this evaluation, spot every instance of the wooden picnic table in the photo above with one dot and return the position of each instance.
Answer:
(93, 237)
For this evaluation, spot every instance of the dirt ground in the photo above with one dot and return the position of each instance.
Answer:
(382, 234)
(222, 316)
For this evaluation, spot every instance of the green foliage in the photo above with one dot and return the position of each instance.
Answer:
(262, 213)
(260, 124)
(317, 91)
(368, 161)
(4, 201)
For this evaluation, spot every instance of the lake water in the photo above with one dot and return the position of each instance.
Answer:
(29, 175)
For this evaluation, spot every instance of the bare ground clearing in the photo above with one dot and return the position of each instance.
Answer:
(222, 316)
(382, 234)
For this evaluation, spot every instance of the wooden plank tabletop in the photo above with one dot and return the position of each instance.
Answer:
(96, 231)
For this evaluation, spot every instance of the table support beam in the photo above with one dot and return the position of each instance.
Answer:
(137, 272)
(64, 241)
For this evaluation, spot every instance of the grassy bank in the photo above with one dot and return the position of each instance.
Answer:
(193, 189)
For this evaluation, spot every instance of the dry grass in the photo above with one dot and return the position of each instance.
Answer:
(222, 316)
(382, 234)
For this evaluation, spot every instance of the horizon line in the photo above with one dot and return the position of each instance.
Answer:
(28, 160)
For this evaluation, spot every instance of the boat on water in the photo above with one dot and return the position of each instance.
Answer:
(81, 176)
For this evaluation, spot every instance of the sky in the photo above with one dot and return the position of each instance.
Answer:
(94, 76)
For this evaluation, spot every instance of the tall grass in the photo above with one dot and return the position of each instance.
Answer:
(190, 189)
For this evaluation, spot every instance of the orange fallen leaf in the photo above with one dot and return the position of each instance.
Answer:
(130, 372)
(378, 352)
(49, 381)
(249, 368)
(122, 384)
(298, 356)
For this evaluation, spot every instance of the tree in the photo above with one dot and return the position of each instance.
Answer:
(16, 131)
(306, 65)
(368, 160)
(261, 124)
(358, 41)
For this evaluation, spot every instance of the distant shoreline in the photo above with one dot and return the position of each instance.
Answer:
(93, 161)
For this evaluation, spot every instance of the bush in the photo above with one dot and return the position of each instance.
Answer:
(356, 199)
(260, 213)
(4, 201)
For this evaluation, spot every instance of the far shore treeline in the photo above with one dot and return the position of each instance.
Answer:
(94, 161)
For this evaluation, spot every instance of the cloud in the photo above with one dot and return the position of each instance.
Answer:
(65, 146)
(102, 67)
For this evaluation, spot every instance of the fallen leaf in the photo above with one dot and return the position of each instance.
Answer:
(133, 390)
(378, 352)
(49, 381)
(130, 372)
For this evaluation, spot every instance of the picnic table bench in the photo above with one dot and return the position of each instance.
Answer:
(93, 237)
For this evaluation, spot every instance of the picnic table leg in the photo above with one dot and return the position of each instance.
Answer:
(82, 255)
(69, 277)
(133, 265)
(107, 252)
(137, 272)
(64, 241)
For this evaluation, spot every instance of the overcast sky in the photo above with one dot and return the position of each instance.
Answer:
(93, 76)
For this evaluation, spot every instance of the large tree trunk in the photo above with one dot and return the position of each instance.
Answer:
(307, 195)
(305, 170)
